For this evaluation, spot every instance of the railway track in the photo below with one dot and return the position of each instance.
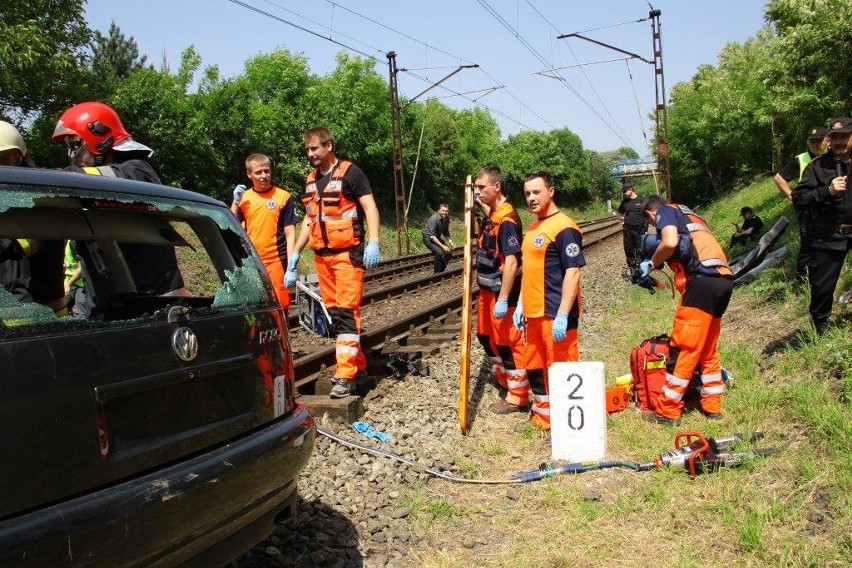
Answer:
(405, 308)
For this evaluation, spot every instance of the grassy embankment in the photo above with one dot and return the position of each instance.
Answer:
(791, 509)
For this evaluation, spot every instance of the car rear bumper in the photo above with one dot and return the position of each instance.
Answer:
(212, 507)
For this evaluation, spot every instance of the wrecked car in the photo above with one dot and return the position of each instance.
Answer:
(149, 429)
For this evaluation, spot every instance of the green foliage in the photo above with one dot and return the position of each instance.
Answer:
(42, 43)
(748, 114)
(114, 56)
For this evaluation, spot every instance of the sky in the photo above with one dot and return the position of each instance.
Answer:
(514, 42)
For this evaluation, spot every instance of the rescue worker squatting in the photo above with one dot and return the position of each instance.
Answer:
(702, 276)
(269, 215)
(337, 200)
(498, 274)
(549, 306)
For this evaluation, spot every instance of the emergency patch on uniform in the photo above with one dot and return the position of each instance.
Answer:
(513, 241)
(572, 250)
(271, 204)
(539, 241)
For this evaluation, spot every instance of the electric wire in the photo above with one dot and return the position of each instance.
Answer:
(529, 47)
(582, 70)
(448, 54)
(306, 30)
(636, 100)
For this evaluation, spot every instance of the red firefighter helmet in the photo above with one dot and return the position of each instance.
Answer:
(97, 124)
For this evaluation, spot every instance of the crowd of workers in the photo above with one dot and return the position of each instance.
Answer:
(525, 324)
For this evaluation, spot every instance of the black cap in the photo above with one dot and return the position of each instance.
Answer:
(842, 125)
(817, 133)
(626, 185)
(745, 210)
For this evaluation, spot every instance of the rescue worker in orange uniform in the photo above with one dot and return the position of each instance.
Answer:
(338, 200)
(270, 220)
(549, 306)
(498, 274)
(702, 276)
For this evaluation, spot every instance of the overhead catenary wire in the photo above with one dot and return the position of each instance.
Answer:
(529, 47)
(582, 70)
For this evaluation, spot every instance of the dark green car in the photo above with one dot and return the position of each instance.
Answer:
(153, 423)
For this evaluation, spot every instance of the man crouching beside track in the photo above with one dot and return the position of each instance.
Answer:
(549, 307)
(704, 280)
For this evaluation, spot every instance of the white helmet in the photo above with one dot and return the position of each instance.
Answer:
(10, 138)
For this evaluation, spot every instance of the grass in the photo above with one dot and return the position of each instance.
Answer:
(793, 508)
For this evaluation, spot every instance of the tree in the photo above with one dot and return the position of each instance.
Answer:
(42, 43)
(114, 55)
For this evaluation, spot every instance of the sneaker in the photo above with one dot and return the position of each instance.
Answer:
(503, 407)
(340, 388)
(656, 418)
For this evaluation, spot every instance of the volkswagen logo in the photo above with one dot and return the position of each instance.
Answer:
(185, 343)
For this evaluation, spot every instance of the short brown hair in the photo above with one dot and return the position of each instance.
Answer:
(652, 203)
(548, 181)
(492, 173)
(322, 133)
(261, 159)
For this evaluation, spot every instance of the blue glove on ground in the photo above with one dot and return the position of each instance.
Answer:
(238, 193)
(646, 267)
(290, 277)
(371, 255)
(500, 308)
(370, 432)
(560, 326)
(518, 316)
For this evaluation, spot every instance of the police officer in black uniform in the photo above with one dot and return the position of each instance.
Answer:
(823, 190)
(792, 173)
(635, 225)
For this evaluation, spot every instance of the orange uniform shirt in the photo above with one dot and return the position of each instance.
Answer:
(265, 216)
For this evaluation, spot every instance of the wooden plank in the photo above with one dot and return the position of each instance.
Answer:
(467, 300)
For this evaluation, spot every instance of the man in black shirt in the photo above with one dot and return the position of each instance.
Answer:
(635, 225)
(817, 144)
(437, 229)
(823, 190)
(750, 229)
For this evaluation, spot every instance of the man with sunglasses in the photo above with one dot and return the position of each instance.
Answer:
(98, 144)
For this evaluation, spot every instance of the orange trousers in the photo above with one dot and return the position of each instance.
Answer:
(505, 347)
(341, 285)
(541, 352)
(276, 270)
(695, 332)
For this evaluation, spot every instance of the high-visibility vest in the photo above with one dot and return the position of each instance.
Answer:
(804, 159)
(709, 257)
(335, 225)
(489, 259)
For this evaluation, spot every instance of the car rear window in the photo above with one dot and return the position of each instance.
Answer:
(140, 259)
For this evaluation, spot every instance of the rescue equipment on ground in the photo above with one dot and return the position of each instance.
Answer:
(312, 312)
(748, 266)
(467, 300)
(619, 395)
(648, 364)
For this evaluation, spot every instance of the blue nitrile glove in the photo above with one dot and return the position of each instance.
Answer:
(238, 193)
(500, 308)
(370, 432)
(371, 255)
(290, 277)
(645, 267)
(518, 316)
(560, 326)
(293, 261)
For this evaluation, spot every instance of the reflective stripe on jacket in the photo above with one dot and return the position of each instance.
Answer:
(335, 225)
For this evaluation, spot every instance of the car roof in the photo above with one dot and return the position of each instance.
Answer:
(60, 178)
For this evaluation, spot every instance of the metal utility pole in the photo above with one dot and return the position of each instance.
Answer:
(398, 173)
(660, 109)
(660, 94)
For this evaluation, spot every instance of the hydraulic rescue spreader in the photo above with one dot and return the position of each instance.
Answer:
(692, 452)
